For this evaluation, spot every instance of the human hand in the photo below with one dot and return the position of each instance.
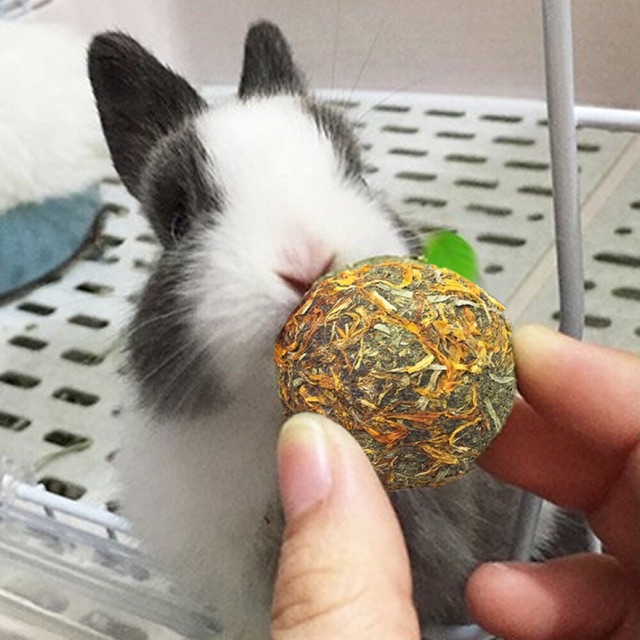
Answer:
(576, 442)
(574, 449)
(344, 570)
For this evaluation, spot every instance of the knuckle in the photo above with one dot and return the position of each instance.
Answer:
(315, 589)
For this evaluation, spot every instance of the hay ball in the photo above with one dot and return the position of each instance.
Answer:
(416, 362)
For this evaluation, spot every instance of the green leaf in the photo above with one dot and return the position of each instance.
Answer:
(451, 251)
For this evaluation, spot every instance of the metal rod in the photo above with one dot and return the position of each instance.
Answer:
(610, 119)
(558, 50)
(558, 55)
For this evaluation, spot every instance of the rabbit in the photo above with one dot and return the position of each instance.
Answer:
(252, 201)
(51, 144)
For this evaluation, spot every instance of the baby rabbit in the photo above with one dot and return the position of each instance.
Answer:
(252, 201)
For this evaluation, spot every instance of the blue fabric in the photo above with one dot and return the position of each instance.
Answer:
(36, 239)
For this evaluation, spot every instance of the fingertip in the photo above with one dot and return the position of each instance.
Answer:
(485, 595)
(533, 334)
(535, 343)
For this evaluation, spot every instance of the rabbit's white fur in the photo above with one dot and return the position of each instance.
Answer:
(289, 210)
(51, 143)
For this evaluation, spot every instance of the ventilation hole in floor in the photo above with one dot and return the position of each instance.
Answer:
(417, 176)
(543, 122)
(36, 308)
(51, 278)
(586, 147)
(623, 231)
(503, 241)
(63, 487)
(91, 322)
(343, 104)
(110, 627)
(535, 217)
(12, 422)
(596, 322)
(75, 396)
(366, 146)
(115, 209)
(95, 288)
(413, 153)
(589, 285)
(430, 228)
(619, 259)
(392, 108)
(144, 265)
(628, 293)
(493, 268)
(526, 165)
(64, 438)
(491, 210)
(147, 238)
(501, 117)
(369, 169)
(515, 141)
(86, 358)
(637, 331)
(109, 240)
(445, 113)
(465, 158)
(456, 135)
(96, 254)
(476, 183)
(19, 380)
(536, 190)
(635, 204)
(394, 128)
(590, 320)
(113, 506)
(26, 342)
(43, 597)
(435, 203)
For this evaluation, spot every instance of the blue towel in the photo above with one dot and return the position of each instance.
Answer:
(37, 239)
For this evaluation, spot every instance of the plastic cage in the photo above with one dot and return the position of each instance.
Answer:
(70, 569)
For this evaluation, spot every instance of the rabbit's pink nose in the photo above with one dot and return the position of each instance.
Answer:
(301, 276)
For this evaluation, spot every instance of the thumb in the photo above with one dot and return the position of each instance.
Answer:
(344, 570)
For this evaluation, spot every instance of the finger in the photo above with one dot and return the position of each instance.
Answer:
(559, 447)
(591, 391)
(543, 458)
(343, 553)
(578, 597)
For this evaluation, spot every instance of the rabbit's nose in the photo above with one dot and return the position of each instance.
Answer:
(301, 274)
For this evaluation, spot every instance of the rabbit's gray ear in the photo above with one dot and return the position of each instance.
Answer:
(139, 100)
(268, 67)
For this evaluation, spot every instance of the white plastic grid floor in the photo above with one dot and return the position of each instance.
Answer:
(479, 166)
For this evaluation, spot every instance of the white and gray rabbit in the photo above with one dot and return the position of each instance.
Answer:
(251, 201)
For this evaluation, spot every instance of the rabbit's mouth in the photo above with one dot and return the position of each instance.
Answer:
(301, 279)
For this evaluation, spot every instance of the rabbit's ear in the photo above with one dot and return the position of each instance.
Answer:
(268, 68)
(139, 101)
